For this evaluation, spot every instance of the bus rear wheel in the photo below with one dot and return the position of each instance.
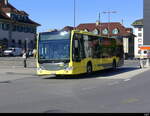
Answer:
(89, 68)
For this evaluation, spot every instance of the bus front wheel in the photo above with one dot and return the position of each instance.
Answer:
(89, 68)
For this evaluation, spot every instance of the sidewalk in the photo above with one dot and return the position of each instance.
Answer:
(12, 69)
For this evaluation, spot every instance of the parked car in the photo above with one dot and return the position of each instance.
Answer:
(13, 52)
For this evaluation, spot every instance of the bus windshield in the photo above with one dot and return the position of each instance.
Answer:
(54, 47)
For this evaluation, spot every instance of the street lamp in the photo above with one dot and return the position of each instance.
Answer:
(74, 13)
(109, 12)
(99, 19)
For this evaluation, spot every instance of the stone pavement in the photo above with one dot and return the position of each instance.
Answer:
(12, 69)
(7, 62)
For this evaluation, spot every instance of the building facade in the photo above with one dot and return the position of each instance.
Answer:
(16, 28)
(138, 40)
(146, 22)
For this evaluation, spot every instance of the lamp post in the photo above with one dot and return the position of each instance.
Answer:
(74, 13)
(109, 12)
(99, 19)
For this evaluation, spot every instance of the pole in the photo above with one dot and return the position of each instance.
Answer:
(74, 13)
(99, 17)
(109, 12)
(100, 23)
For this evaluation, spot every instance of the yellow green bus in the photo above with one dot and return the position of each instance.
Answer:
(76, 52)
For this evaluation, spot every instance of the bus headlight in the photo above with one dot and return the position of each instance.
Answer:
(40, 68)
(69, 69)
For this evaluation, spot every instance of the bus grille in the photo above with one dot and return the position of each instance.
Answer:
(53, 67)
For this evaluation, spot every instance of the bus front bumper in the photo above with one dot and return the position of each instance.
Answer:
(59, 72)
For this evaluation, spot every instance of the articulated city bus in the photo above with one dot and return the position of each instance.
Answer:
(76, 52)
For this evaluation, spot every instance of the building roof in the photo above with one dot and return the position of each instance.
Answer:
(3, 16)
(4, 9)
(67, 28)
(138, 22)
(113, 25)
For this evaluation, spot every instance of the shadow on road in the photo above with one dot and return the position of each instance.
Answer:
(98, 74)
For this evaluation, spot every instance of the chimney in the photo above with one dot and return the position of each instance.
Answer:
(6, 2)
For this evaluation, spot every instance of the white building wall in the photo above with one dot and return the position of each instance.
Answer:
(137, 41)
(23, 36)
(4, 34)
(126, 45)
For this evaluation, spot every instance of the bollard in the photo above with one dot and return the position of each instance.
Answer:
(142, 63)
(147, 62)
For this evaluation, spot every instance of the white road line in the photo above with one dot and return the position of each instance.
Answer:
(127, 80)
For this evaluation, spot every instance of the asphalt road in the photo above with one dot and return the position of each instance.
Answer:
(125, 90)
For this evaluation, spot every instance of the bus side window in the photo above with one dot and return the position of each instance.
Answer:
(95, 47)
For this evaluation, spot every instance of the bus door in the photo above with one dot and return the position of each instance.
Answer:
(78, 54)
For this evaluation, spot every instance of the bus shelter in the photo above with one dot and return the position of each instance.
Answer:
(145, 56)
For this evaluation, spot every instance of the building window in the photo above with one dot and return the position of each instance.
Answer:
(5, 42)
(0, 25)
(95, 31)
(13, 43)
(32, 44)
(105, 31)
(19, 43)
(115, 31)
(140, 40)
(140, 34)
(139, 29)
(5, 26)
(86, 30)
(14, 27)
(139, 45)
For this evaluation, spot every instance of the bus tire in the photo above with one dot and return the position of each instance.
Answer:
(114, 65)
(89, 68)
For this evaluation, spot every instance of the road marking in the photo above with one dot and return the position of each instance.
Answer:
(127, 79)
(130, 100)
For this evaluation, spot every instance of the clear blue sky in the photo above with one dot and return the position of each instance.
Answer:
(59, 13)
